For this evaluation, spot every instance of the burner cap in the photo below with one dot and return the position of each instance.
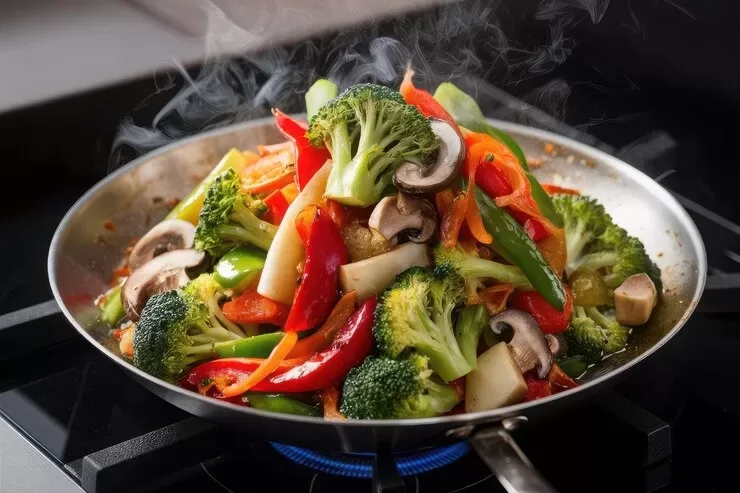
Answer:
(361, 465)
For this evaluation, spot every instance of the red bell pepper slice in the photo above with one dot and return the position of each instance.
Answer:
(323, 370)
(250, 307)
(328, 367)
(559, 380)
(536, 388)
(317, 289)
(423, 100)
(550, 320)
(207, 378)
(277, 205)
(309, 159)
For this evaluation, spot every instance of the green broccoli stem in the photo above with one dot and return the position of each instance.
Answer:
(441, 397)
(579, 312)
(215, 331)
(442, 349)
(470, 324)
(473, 266)
(598, 260)
(215, 310)
(597, 317)
(248, 228)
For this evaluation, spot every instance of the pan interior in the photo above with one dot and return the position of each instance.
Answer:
(84, 251)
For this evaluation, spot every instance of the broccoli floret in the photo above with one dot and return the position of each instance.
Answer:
(415, 312)
(594, 242)
(593, 334)
(226, 219)
(179, 328)
(472, 267)
(385, 388)
(369, 131)
(622, 256)
(470, 324)
(584, 219)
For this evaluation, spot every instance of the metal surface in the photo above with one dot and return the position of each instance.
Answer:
(83, 253)
(23, 469)
(512, 468)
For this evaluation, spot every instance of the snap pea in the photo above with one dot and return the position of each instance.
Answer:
(278, 403)
(523, 252)
(467, 113)
(249, 347)
(239, 268)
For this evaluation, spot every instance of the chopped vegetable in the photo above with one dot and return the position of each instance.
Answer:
(271, 172)
(330, 404)
(252, 308)
(181, 327)
(278, 403)
(573, 366)
(239, 268)
(470, 324)
(111, 306)
(369, 131)
(415, 312)
(635, 299)
(277, 205)
(317, 290)
(385, 388)
(373, 275)
(537, 388)
(279, 279)
(471, 266)
(595, 242)
(324, 336)
(329, 366)
(593, 334)
(188, 209)
(588, 288)
(496, 381)
(520, 248)
(550, 320)
(226, 221)
(427, 104)
(309, 159)
(278, 354)
(321, 92)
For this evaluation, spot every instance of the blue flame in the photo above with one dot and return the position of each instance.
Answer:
(361, 465)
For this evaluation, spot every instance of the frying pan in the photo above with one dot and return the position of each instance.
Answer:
(83, 253)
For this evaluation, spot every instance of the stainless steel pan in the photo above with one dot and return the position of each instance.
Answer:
(83, 252)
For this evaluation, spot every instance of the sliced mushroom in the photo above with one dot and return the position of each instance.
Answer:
(162, 273)
(415, 178)
(399, 214)
(635, 299)
(526, 340)
(172, 234)
(556, 343)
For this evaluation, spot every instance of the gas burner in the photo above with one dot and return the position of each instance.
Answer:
(361, 465)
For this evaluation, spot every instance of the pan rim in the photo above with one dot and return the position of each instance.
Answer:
(461, 419)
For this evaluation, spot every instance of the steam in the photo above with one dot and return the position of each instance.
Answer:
(466, 42)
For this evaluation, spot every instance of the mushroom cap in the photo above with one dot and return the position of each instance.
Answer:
(414, 178)
(402, 213)
(169, 235)
(527, 342)
(162, 273)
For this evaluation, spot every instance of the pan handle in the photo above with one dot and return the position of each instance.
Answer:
(507, 461)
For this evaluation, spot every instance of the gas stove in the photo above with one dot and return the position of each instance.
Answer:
(72, 421)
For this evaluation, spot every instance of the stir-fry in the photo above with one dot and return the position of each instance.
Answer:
(392, 258)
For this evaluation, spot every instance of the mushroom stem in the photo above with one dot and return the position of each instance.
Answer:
(528, 343)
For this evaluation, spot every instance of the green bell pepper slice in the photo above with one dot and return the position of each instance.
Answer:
(239, 268)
